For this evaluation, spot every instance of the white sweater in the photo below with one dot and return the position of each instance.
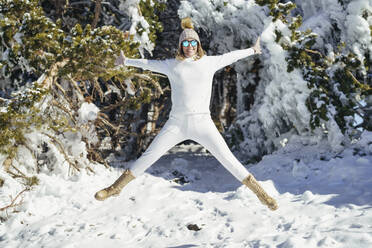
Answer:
(190, 80)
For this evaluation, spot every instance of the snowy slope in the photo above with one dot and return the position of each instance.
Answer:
(322, 203)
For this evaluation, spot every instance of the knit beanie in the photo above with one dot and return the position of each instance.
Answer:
(188, 31)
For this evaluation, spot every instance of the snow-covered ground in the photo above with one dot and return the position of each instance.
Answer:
(322, 203)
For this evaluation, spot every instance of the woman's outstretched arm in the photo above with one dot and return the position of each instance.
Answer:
(231, 57)
(160, 66)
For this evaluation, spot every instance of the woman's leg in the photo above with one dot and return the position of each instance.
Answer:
(207, 134)
(169, 136)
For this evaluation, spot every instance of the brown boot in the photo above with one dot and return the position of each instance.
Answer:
(265, 199)
(116, 187)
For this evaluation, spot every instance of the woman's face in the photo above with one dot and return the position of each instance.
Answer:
(189, 50)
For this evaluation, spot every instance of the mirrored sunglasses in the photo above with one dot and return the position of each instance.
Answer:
(186, 43)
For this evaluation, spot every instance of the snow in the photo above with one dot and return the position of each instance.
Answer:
(88, 112)
(132, 9)
(323, 190)
(320, 15)
(322, 203)
(130, 87)
(280, 96)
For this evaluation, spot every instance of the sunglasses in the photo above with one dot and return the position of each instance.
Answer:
(186, 43)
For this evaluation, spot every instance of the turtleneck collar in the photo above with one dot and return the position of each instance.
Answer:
(192, 58)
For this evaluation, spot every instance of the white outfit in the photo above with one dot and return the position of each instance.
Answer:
(191, 85)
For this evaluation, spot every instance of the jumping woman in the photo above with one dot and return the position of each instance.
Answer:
(190, 75)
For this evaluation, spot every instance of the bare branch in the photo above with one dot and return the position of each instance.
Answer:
(12, 203)
(363, 86)
(99, 89)
(106, 122)
(61, 89)
(49, 77)
(32, 153)
(58, 105)
(97, 12)
(76, 86)
(147, 78)
(314, 52)
(7, 163)
(59, 146)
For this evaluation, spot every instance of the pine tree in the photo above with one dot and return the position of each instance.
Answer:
(73, 66)
(337, 84)
(56, 65)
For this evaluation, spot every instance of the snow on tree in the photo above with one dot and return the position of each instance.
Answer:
(307, 86)
(52, 80)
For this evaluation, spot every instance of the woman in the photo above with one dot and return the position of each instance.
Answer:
(190, 75)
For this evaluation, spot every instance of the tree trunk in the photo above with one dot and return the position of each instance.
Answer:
(97, 12)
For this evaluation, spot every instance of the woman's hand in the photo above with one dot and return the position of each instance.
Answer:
(257, 47)
(120, 59)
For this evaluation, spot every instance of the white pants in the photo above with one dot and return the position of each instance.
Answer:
(197, 127)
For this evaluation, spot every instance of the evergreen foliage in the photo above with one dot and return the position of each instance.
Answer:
(148, 10)
(34, 42)
(19, 117)
(278, 10)
(337, 83)
(73, 66)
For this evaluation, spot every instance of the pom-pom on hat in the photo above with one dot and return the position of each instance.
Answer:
(188, 31)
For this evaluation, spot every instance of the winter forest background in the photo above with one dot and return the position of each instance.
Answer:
(66, 110)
